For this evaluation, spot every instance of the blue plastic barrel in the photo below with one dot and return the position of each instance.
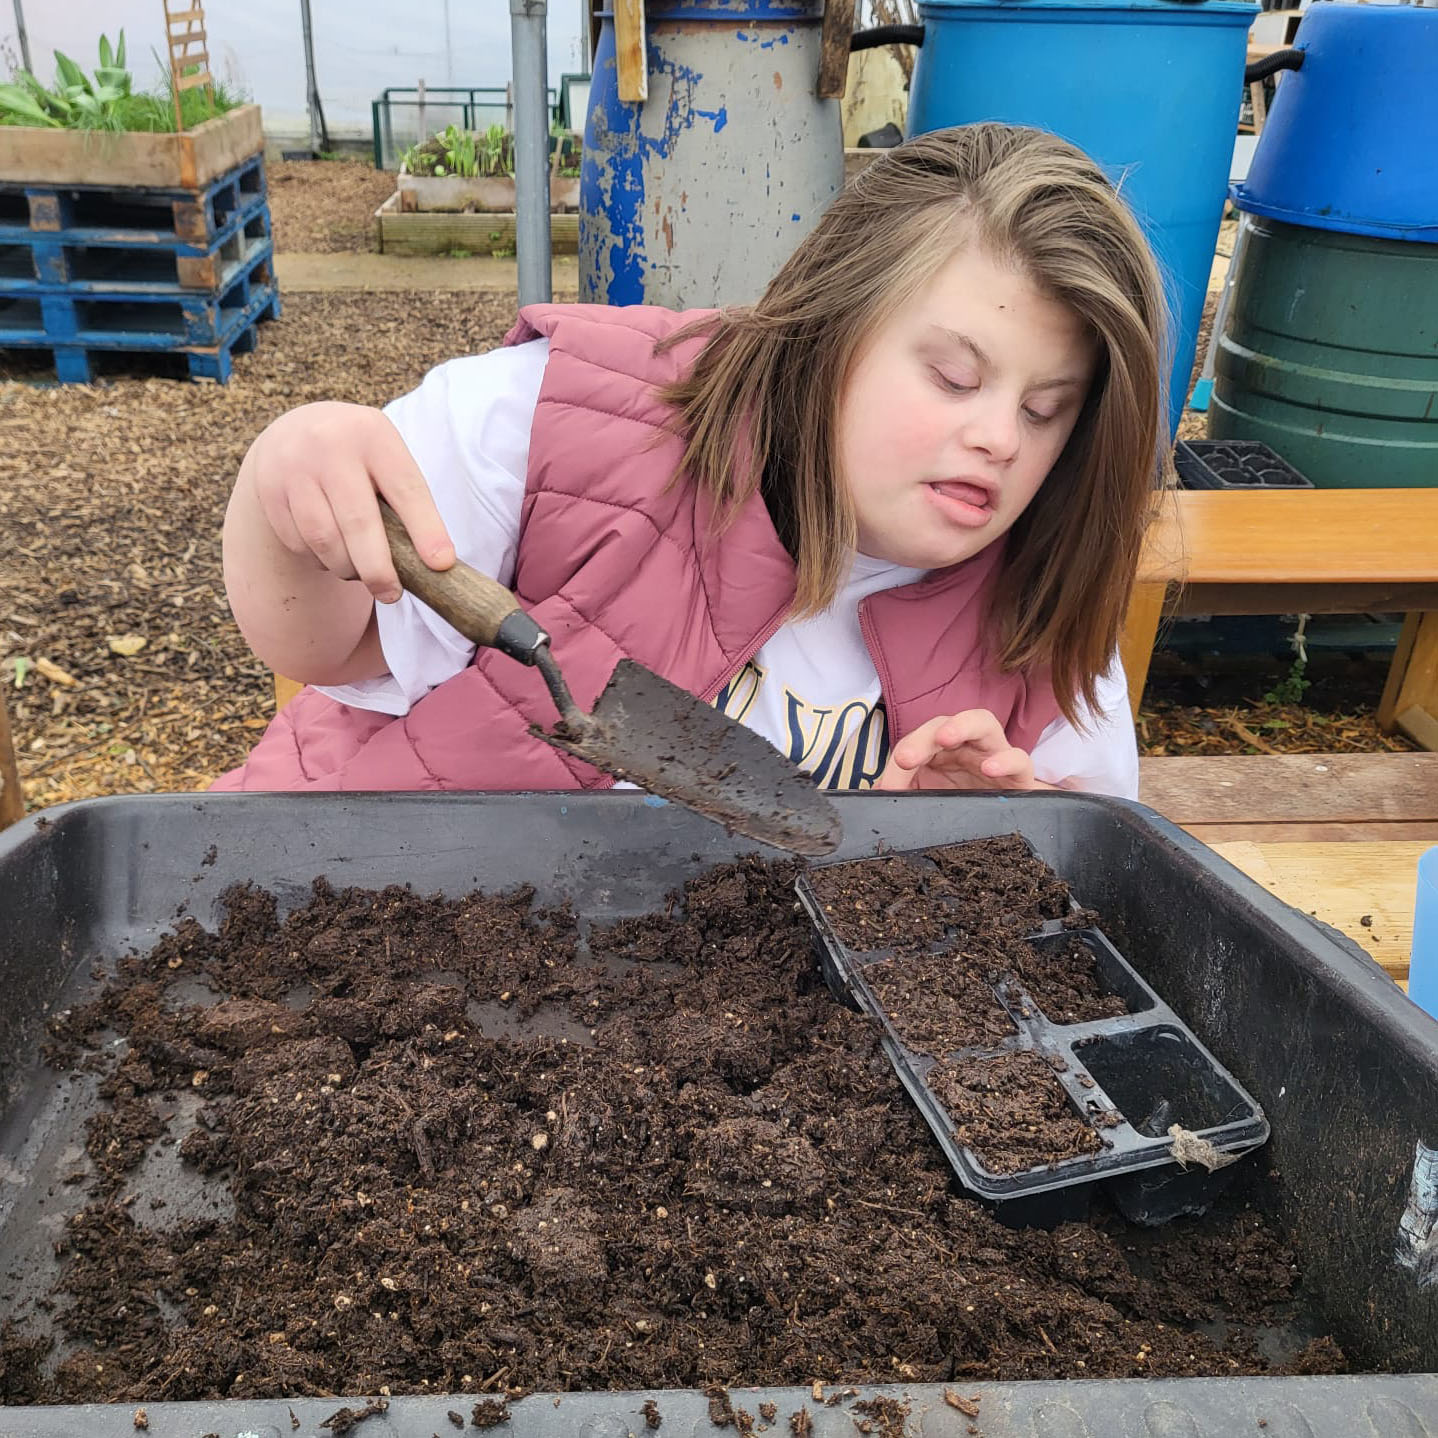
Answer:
(1150, 89)
(1351, 140)
(698, 195)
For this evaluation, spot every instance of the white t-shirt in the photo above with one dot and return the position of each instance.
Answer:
(811, 689)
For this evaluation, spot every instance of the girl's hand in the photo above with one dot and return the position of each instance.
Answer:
(316, 473)
(959, 751)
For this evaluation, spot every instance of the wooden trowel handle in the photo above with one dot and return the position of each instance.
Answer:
(482, 609)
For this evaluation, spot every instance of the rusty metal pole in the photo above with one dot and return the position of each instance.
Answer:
(12, 796)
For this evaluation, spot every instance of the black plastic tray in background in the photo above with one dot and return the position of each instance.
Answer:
(1103, 1066)
(1234, 464)
(1346, 1068)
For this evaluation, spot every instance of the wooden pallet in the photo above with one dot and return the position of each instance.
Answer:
(190, 221)
(131, 315)
(84, 267)
(208, 357)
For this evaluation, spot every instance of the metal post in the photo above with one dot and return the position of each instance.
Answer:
(318, 138)
(531, 148)
(24, 38)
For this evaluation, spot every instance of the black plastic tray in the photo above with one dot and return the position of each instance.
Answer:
(1346, 1068)
(1128, 1078)
(1234, 464)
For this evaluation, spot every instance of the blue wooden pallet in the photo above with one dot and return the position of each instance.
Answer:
(208, 332)
(190, 223)
(48, 313)
(86, 270)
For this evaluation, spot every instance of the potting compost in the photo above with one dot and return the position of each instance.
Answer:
(472, 1145)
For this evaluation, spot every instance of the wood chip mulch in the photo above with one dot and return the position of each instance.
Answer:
(121, 666)
(326, 206)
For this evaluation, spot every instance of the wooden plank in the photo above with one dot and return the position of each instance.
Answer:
(1397, 670)
(1342, 884)
(1292, 788)
(1419, 725)
(12, 796)
(217, 147)
(1410, 698)
(1317, 536)
(480, 233)
(153, 161)
(631, 50)
(834, 49)
(1417, 832)
(285, 690)
(1140, 631)
(1310, 597)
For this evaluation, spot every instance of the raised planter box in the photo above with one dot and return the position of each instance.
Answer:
(183, 161)
(477, 232)
(433, 215)
(452, 194)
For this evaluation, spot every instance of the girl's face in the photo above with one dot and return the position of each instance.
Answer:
(956, 410)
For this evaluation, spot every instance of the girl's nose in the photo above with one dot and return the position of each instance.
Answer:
(992, 428)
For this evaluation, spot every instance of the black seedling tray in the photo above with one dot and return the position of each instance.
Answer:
(1234, 464)
(1128, 1078)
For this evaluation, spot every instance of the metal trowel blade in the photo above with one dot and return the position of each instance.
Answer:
(663, 739)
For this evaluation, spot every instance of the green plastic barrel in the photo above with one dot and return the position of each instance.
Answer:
(1330, 355)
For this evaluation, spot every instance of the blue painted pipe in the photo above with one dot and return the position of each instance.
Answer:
(698, 195)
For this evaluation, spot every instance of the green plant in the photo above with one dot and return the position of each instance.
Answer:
(105, 100)
(1292, 687)
(453, 151)
(77, 101)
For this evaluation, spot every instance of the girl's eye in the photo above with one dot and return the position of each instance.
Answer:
(952, 386)
(1034, 417)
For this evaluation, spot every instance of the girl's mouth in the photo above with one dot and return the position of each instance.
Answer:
(969, 505)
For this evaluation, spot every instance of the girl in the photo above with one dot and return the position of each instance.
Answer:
(888, 517)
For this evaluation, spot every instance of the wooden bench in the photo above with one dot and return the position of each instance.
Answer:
(12, 797)
(1335, 835)
(1320, 551)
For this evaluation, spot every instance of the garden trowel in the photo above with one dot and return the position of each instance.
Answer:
(642, 728)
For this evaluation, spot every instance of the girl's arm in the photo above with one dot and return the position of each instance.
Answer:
(305, 554)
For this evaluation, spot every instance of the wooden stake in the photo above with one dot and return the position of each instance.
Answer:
(631, 50)
(834, 49)
(12, 796)
(188, 43)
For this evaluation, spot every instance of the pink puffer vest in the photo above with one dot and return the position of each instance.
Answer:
(613, 562)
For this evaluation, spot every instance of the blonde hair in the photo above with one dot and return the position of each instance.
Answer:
(776, 371)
